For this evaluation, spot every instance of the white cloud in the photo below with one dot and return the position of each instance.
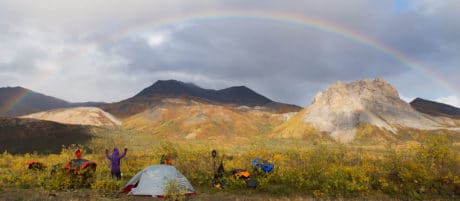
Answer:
(56, 64)
(156, 39)
(46, 66)
(159, 36)
(432, 7)
(450, 100)
(407, 98)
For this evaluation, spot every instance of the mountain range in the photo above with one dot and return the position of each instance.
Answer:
(17, 101)
(364, 111)
(152, 96)
(239, 95)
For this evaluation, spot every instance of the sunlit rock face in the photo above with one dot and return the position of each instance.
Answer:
(343, 106)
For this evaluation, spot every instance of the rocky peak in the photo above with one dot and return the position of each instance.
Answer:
(367, 87)
(173, 88)
(372, 90)
(343, 106)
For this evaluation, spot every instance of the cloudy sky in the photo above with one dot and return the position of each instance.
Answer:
(108, 50)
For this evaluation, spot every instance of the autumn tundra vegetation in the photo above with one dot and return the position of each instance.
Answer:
(428, 169)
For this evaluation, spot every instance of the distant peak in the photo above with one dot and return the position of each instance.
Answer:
(363, 86)
(421, 100)
(173, 83)
(15, 88)
(160, 81)
(168, 82)
(435, 108)
(172, 88)
(240, 88)
(240, 95)
(418, 99)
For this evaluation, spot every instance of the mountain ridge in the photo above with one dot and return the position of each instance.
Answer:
(26, 101)
(363, 111)
(435, 108)
(151, 96)
(17, 101)
(174, 88)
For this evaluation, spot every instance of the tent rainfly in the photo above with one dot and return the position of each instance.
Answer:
(158, 180)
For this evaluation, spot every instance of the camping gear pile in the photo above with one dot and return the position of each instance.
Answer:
(73, 167)
(79, 171)
(80, 166)
(260, 167)
(76, 167)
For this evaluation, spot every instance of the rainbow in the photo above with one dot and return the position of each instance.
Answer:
(10, 103)
(290, 18)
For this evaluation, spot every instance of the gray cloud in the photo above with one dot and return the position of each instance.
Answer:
(110, 50)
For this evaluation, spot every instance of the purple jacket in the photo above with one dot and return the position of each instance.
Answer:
(115, 158)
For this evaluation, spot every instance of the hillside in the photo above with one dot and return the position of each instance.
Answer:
(80, 116)
(16, 101)
(435, 109)
(152, 96)
(347, 110)
(183, 120)
(29, 135)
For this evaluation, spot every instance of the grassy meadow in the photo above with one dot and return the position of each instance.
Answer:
(428, 169)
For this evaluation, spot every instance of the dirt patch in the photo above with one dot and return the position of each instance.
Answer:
(89, 195)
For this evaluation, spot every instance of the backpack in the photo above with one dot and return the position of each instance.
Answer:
(262, 165)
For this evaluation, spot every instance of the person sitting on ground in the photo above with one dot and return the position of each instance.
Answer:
(115, 161)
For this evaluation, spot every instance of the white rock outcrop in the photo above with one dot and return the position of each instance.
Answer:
(79, 115)
(343, 106)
